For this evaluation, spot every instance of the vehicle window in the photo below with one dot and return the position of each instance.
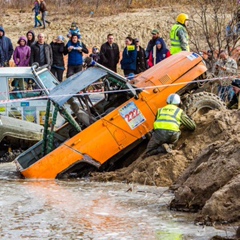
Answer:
(23, 88)
(48, 80)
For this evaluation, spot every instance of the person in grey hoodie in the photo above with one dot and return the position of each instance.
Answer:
(7, 47)
(22, 53)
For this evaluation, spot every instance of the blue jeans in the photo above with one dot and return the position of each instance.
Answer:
(226, 93)
(37, 22)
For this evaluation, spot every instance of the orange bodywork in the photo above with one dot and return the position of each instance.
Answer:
(111, 134)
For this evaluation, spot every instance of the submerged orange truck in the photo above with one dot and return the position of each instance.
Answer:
(104, 129)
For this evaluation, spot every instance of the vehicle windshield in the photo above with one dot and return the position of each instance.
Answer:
(48, 80)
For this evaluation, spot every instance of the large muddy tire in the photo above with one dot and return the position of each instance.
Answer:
(202, 102)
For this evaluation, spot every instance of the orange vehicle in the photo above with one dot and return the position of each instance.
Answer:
(105, 131)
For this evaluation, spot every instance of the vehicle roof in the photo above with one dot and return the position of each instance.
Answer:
(15, 71)
(170, 69)
(76, 83)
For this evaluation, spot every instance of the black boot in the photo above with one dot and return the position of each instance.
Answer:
(150, 153)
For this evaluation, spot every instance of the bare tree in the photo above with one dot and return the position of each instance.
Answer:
(214, 25)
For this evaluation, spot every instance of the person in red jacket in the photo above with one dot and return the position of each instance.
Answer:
(159, 53)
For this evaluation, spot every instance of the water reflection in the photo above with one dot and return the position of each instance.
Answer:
(84, 210)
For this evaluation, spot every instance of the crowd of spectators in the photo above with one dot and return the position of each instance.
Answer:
(134, 58)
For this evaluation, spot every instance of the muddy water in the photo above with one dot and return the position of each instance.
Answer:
(86, 210)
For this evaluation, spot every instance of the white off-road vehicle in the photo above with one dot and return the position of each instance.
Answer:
(23, 97)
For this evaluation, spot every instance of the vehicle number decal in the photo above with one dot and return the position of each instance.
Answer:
(192, 56)
(132, 115)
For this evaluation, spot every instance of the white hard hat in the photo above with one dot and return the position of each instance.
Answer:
(174, 99)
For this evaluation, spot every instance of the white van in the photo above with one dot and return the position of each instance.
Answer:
(22, 91)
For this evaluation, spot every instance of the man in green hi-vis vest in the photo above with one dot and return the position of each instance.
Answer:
(167, 126)
(179, 36)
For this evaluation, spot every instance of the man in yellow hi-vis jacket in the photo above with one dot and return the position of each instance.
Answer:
(179, 35)
(167, 126)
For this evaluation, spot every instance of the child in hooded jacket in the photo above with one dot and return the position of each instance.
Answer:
(74, 30)
(159, 53)
(22, 53)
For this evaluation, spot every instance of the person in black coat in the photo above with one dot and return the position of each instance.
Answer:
(141, 58)
(109, 54)
(41, 52)
(57, 67)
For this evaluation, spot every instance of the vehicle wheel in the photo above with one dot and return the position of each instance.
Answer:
(10, 156)
(202, 102)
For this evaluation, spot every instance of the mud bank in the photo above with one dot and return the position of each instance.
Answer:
(204, 169)
(212, 181)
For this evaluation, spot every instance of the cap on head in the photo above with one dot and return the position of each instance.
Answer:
(60, 38)
(182, 17)
(236, 83)
(136, 40)
(174, 99)
(158, 42)
(155, 31)
(74, 24)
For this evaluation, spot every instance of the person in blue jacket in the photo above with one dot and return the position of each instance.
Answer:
(75, 49)
(1, 57)
(36, 9)
(129, 57)
(7, 47)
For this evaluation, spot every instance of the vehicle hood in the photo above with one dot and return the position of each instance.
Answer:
(12, 127)
(74, 84)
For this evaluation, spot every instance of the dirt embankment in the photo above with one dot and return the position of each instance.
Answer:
(204, 169)
(212, 181)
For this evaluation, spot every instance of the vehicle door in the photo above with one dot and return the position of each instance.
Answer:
(25, 99)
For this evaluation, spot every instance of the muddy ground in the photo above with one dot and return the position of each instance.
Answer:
(203, 170)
